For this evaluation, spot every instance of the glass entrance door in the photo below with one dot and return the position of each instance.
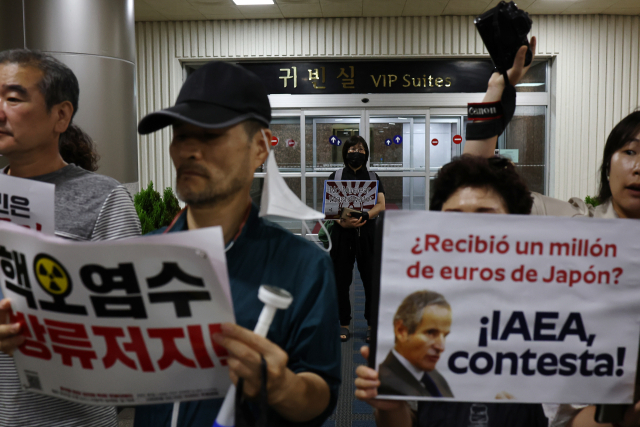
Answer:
(442, 145)
(446, 141)
(309, 149)
(398, 156)
(325, 136)
(524, 141)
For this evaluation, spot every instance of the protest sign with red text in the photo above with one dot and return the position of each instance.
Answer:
(544, 309)
(121, 322)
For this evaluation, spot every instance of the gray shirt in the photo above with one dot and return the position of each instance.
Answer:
(91, 206)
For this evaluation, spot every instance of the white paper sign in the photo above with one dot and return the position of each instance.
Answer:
(28, 203)
(352, 194)
(545, 309)
(121, 322)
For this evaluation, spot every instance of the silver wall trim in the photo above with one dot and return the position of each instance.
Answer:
(99, 27)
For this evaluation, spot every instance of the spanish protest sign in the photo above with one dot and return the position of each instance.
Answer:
(121, 322)
(543, 309)
(27, 203)
(350, 194)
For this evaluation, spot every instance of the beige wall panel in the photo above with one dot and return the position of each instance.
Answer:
(383, 37)
(319, 31)
(209, 39)
(635, 64)
(617, 75)
(328, 33)
(305, 37)
(448, 33)
(359, 35)
(178, 33)
(455, 39)
(609, 59)
(601, 87)
(584, 33)
(393, 36)
(339, 36)
(593, 48)
(186, 38)
(596, 61)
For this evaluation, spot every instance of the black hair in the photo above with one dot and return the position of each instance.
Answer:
(496, 173)
(252, 126)
(58, 83)
(78, 148)
(354, 140)
(625, 131)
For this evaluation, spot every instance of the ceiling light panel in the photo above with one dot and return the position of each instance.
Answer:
(252, 2)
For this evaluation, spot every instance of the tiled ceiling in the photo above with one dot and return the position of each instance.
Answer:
(176, 10)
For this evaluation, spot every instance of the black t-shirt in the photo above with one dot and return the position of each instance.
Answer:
(361, 174)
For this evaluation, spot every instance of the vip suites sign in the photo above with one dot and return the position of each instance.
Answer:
(116, 323)
(543, 309)
(427, 76)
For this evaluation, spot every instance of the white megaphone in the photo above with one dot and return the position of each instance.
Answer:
(279, 201)
(273, 298)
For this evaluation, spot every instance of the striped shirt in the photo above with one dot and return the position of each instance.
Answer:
(88, 207)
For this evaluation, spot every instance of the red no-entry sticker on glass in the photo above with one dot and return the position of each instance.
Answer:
(457, 139)
(274, 141)
(434, 141)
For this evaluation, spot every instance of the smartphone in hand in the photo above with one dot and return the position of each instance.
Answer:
(350, 213)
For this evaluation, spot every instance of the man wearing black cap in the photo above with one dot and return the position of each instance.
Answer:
(220, 136)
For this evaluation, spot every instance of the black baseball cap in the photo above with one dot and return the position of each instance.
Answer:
(217, 95)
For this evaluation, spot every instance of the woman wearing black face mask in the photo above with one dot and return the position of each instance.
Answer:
(353, 237)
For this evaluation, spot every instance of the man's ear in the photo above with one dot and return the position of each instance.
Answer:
(400, 330)
(63, 113)
(260, 147)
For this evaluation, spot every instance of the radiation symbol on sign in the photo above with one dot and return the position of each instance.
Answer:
(51, 275)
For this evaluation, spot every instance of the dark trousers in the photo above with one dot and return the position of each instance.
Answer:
(349, 245)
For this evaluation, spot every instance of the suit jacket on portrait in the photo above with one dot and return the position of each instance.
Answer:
(395, 379)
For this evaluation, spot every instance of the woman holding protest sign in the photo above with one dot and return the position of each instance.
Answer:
(620, 197)
(353, 236)
(473, 185)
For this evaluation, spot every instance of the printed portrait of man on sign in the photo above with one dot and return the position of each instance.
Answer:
(421, 325)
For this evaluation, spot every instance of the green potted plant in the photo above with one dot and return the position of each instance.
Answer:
(155, 211)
